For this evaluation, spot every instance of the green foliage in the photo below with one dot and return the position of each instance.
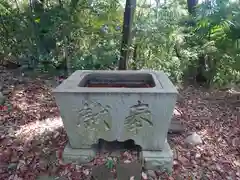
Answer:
(216, 29)
(110, 163)
(71, 31)
(86, 34)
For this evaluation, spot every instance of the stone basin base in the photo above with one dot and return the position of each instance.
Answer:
(159, 160)
(152, 160)
(79, 156)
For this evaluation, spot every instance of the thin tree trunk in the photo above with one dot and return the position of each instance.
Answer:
(60, 3)
(192, 6)
(5, 30)
(67, 58)
(36, 34)
(134, 66)
(17, 6)
(176, 48)
(127, 31)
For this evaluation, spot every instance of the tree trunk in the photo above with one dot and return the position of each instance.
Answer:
(16, 3)
(35, 60)
(60, 3)
(134, 65)
(192, 6)
(67, 58)
(127, 31)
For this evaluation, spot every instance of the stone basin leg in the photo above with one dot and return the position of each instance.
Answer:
(159, 160)
(79, 156)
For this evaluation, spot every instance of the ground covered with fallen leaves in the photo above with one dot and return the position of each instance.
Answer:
(32, 135)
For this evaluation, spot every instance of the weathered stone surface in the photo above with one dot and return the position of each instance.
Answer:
(126, 171)
(46, 177)
(194, 139)
(2, 99)
(6, 92)
(176, 126)
(71, 155)
(159, 160)
(151, 174)
(102, 173)
(116, 113)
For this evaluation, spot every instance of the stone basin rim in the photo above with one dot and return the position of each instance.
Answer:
(71, 84)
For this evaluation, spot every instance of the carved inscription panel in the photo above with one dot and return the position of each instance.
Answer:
(94, 119)
(139, 115)
(94, 116)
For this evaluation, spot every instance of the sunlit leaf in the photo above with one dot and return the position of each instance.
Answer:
(37, 20)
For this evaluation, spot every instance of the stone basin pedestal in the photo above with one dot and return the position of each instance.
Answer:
(117, 105)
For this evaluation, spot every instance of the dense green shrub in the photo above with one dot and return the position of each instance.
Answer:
(84, 34)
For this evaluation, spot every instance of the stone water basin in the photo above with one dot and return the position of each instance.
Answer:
(116, 105)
